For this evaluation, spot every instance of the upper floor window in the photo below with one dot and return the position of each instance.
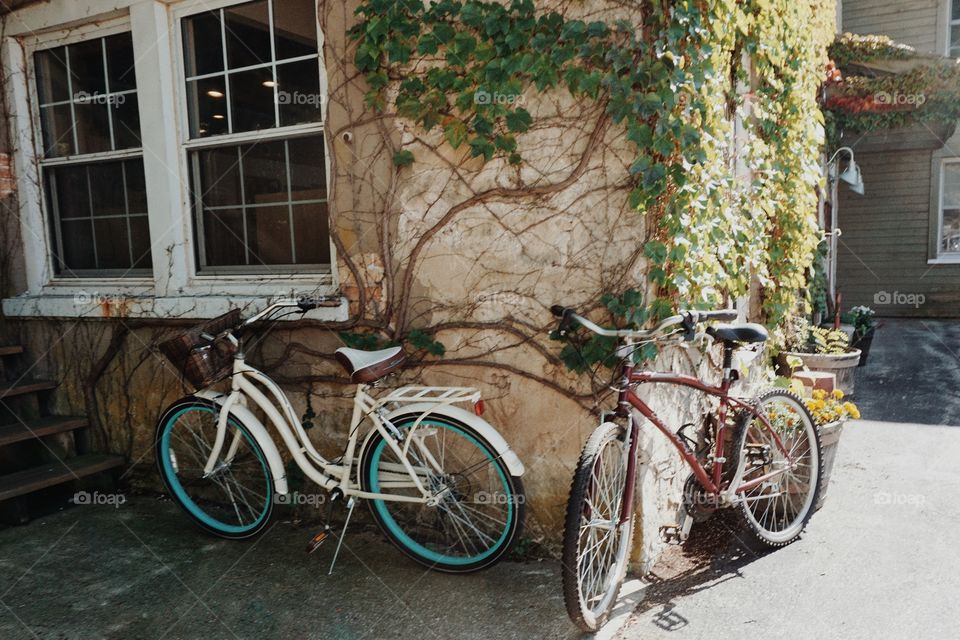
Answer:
(949, 232)
(91, 162)
(954, 43)
(256, 150)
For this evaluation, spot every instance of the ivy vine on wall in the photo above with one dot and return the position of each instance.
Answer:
(725, 208)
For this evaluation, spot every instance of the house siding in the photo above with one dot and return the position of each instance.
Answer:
(916, 23)
(884, 248)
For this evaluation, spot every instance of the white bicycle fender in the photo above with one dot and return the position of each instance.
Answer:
(473, 421)
(259, 433)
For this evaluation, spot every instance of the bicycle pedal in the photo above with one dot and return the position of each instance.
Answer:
(317, 540)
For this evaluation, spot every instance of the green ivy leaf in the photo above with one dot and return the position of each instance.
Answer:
(456, 133)
(423, 342)
(519, 120)
(403, 158)
(481, 147)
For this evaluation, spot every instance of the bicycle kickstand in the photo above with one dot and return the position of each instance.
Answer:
(351, 503)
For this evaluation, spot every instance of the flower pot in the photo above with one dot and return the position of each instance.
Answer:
(843, 365)
(863, 343)
(829, 442)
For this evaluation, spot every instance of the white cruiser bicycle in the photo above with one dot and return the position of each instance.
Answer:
(442, 483)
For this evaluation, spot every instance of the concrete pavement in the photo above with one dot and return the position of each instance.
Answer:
(142, 572)
(879, 561)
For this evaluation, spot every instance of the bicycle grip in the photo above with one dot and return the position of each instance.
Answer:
(558, 310)
(306, 304)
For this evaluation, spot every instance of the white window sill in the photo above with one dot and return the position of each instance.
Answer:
(948, 259)
(82, 304)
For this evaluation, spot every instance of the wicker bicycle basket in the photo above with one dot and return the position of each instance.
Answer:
(201, 361)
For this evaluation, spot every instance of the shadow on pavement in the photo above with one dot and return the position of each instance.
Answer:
(712, 555)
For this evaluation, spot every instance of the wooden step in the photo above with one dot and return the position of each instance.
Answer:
(10, 389)
(47, 426)
(48, 475)
(11, 350)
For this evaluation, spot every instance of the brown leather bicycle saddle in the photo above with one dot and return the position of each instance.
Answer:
(368, 366)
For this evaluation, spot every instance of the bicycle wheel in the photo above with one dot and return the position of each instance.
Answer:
(480, 512)
(776, 510)
(596, 545)
(236, 500)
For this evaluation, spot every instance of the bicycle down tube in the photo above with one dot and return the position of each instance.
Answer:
(628, 398)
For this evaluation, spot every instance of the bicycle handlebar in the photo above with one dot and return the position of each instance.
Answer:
(689, 320)
(302, 303)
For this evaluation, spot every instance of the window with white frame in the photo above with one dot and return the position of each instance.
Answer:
(953, 42)
(255, 150)
(949, 231)
(91, 161)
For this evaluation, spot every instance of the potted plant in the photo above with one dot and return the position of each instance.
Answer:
(821, 349)
(864, 324)
(830, 412)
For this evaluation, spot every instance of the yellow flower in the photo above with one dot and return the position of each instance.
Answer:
(819, 394)
(852, 409)
(838, 394)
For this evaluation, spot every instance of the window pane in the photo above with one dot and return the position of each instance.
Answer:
(101, 238)
(307, 172)
(140, 242)
(77, 237)
(248, 34)
(126, 121)
(950, 233)
(955, 35)
(93, 127)
(120, 68)
(223, 237)
(55, 123)
(268, 234)
(955, 14)
(203, 44)
(295, 28)
(278, 227)
(251, 100)
(951, 185)
(67, 191)
(86, 67)
(219, 177)
(106, 189)
(207, 105)
(113, 243)
(136, 187)
(311, 234)
(264, 173)
(51, 68)
(299, 92)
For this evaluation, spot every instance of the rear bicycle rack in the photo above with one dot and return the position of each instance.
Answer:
(432, 395)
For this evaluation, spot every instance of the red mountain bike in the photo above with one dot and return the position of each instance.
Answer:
(758, 455)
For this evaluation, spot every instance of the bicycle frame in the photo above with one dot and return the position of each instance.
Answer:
(246, 383)
(628, 398)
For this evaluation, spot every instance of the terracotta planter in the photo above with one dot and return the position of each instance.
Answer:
(829, 442)
(842, 365)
